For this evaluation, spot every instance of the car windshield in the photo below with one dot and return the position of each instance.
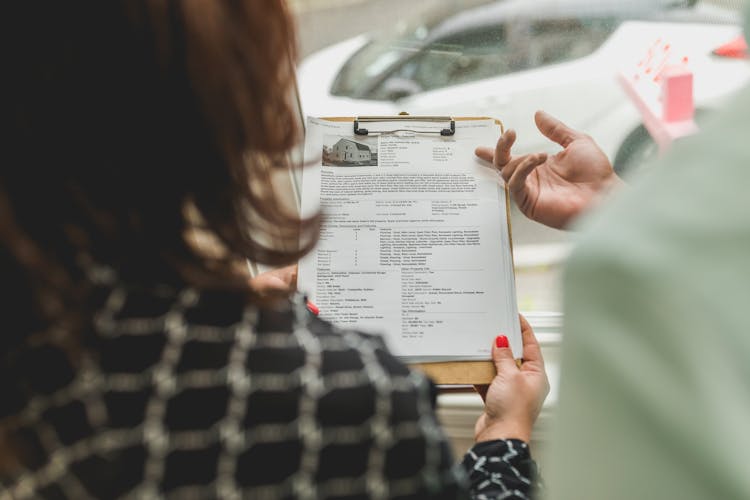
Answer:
(457, 44)
(413, 59)
(379, 55)
(390, 47)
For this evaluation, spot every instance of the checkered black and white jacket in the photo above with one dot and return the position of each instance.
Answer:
(189, 394)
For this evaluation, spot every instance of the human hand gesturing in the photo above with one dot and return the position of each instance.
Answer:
(554, 189)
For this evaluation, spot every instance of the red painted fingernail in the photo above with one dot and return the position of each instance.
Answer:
(313, 308)
(501, 341)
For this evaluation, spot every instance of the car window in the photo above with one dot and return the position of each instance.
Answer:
(369, 64)
(388, 48)
(464, 57)
(491, 51)
(552, 41)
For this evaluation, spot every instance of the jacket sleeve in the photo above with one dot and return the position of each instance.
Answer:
(501, 469)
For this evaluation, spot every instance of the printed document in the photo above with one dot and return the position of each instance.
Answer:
(415, 243)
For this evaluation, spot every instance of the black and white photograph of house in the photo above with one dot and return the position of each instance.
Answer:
(346, 152)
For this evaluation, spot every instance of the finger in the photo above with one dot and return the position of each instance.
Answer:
(502, 355)
(282, 279)
(532, 353)
(501, 155)
(554, 129)
(289, 275)
(508, 170)
(485, 153)
(268, 283)
(503, 148)
(517, 181)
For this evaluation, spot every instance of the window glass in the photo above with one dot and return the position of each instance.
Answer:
(464, 57)
(478, 53)
(557, 40)
(375, 61)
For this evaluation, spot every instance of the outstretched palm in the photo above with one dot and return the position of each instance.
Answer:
(554, 189)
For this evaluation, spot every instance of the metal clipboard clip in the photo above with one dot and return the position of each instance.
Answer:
(448, 131)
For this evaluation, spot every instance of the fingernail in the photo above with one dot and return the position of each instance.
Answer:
(313, 308)
(501, 341)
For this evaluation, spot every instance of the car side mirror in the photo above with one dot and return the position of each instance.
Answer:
(399, 88)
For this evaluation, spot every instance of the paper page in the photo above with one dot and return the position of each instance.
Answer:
(415, 242)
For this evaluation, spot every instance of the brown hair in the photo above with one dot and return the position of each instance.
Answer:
(138, 129)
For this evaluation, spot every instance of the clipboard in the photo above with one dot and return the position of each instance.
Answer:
(441, 372)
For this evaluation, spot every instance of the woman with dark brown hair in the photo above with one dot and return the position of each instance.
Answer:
(136, 359)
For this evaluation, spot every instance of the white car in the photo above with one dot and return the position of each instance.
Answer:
(508, 58)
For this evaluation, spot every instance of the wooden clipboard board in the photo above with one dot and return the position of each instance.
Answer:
(448, 372)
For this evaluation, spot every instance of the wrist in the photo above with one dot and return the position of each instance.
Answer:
(611, 184)
(503, 430)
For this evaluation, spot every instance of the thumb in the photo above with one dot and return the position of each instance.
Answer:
(264, 283)
(554, 129)
(502, 356)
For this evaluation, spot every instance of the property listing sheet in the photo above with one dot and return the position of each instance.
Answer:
(415, 243)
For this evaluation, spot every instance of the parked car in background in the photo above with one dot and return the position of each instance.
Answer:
(508, 58)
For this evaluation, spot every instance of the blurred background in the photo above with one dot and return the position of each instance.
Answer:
(506, 59)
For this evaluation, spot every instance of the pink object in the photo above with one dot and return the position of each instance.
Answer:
(667, 113)
(313, 308)
(661, 87)
(677, 94)
(736, 48)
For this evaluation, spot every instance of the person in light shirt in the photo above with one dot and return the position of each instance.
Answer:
(655, 387)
